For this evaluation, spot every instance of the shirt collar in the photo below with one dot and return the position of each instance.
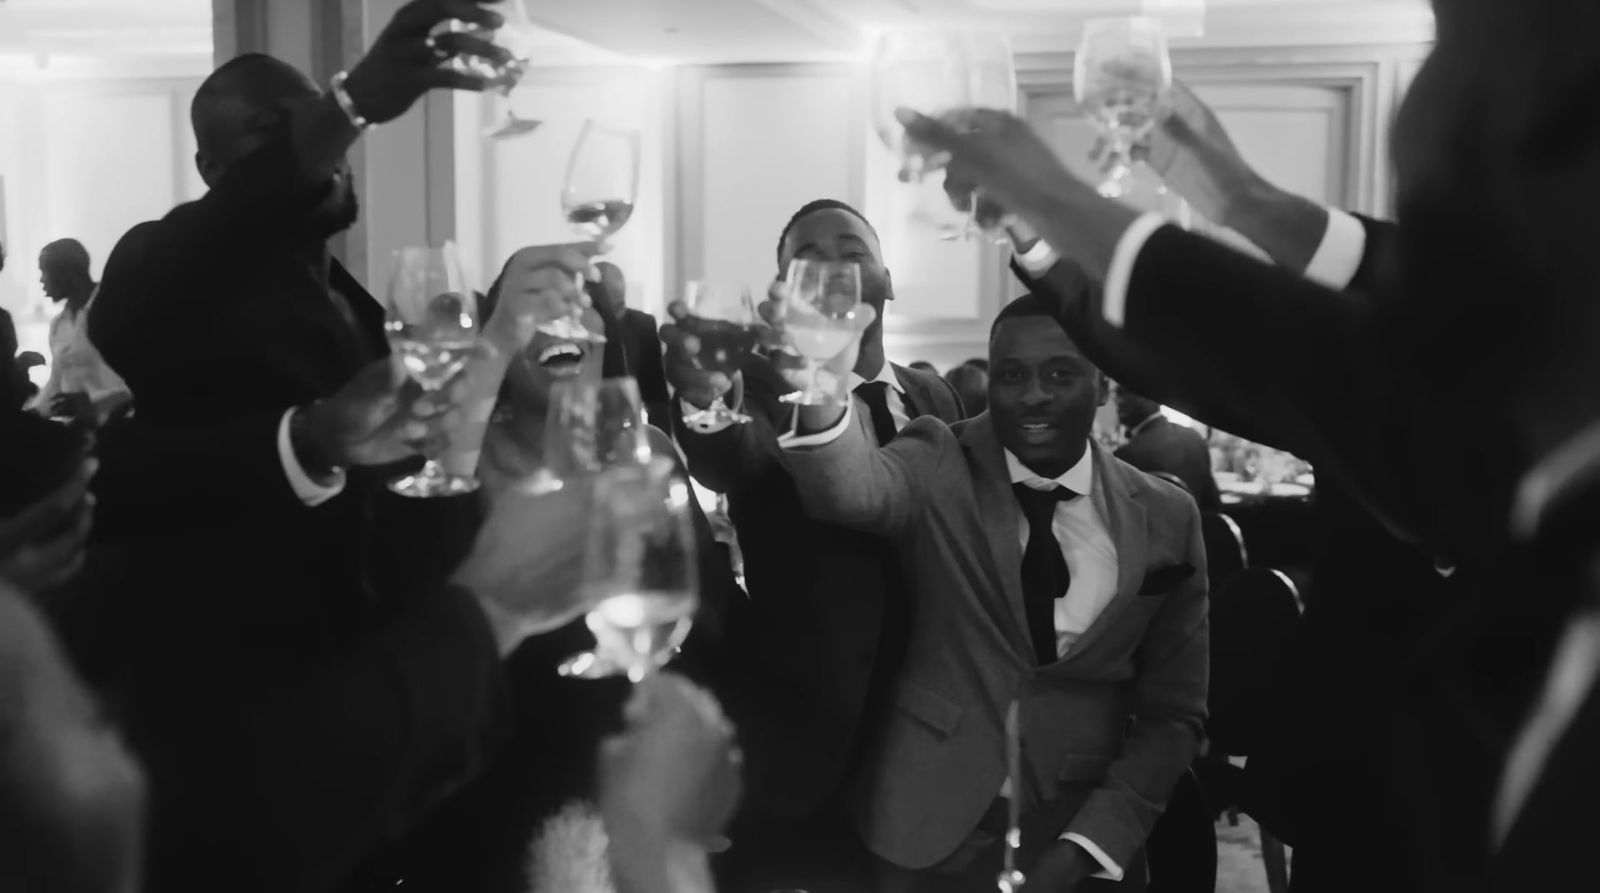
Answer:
(885, 375)
(1134, 431)
(1079, 478)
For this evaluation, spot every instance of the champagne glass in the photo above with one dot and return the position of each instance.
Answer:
(597, 199)
(640, 571)
(722, 317)
(819, 318)
(935, 73)
(591, 426)
(432, 326)
(1120, 73)
(518, 36)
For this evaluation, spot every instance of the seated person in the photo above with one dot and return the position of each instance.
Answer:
(1046, 573)
(1156, 444)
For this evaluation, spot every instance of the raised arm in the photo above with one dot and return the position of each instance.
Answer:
(844, 478)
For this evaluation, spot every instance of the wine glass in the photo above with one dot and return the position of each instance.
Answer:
(640, 571)
(591, 426)
(1120, 73)
(517, 36)
(819, 318)
(432, 327)
(934, 73)
(597, 199)
(722, 317)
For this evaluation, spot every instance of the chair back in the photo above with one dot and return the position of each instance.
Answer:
(1254, 617)
(1225, 551)
(1182, 848)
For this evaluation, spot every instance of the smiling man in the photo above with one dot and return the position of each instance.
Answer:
(1046, 572)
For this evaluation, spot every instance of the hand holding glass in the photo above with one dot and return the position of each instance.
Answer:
(597, 199)
(1120, 73)
(519, 38)
(432, 327)
(722, 319)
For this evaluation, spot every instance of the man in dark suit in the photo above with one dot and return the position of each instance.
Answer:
(1065, 580)
(266, 400)
(1369, 386)
(825, 626)
(641, 343)
(1156, 444)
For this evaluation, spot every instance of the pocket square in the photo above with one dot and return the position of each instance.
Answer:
(1163, 580)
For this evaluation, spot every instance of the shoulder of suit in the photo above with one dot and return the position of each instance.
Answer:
(1159, 491)
(932, 381)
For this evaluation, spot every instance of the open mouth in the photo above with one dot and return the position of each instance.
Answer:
(1038, 432)
(562, 359)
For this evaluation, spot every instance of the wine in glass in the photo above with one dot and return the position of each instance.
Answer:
(517, 36)
(597, 200)
(591, 426)
(722, 318)
(1120, 74)
(432, 327)
(819, 318)
(640, 571)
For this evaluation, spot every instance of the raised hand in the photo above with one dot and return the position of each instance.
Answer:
(786, 359)
(408, 59)
(1193, 153)
(674, 774)
(538, 284)
(380, 416)
(992, 151)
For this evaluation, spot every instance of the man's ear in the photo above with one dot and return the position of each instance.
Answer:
(209, 170)
(1104, 385)
(889, 277)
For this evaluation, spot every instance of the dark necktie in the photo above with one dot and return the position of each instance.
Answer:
(876, 395)
(1045, 576)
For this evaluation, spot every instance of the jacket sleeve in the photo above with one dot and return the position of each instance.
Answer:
(852, 482)
(1169, 709)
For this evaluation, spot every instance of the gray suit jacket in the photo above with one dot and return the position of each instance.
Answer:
(1107, 731)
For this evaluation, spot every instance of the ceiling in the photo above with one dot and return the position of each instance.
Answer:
(69, 36)
(711, 31)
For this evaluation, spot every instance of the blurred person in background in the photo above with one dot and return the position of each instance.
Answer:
(81, 385)
(972, 386)
(640, 341)
(1155, 443)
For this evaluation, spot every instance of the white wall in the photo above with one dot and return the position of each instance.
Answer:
(86, 159)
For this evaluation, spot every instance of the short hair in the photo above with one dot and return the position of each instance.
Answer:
(1027, 305)
(235, 93)
(821, 204)
(978, 363)
(69, 252)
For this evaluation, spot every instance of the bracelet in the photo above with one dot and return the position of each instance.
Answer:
(346, 104)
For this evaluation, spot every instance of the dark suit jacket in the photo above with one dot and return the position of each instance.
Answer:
(823, 627)
(1273, 357)
(1111, 726)
(642, 344)
(1162, 446)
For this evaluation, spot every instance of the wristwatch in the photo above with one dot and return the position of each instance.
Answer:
(348, 105)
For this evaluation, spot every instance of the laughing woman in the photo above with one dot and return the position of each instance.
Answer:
(527, 823)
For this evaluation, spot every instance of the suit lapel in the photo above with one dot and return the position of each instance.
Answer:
(916, 398)
(1125, 515)
(1000, 520)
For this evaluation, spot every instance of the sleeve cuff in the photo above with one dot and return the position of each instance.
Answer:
(1039, 259)
(1110, 871)
(311, 492)
(796, 441)
(1114, 304)
(1339, 255)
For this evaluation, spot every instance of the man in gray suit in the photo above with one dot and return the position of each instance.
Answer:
(1046, 572)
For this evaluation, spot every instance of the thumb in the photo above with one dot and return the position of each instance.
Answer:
(927, 131)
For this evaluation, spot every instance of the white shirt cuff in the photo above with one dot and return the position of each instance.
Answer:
(311, 492)
(795, 441)
(1111, 871)
(1114, 305)
(1039, 259)
(1339, 255)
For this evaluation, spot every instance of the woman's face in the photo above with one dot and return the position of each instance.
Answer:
(548, 360)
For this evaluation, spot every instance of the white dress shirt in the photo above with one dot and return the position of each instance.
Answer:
(1081, 528)
(75, 364)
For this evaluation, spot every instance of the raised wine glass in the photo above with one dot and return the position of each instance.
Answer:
(722, 317)
(591, 426)
(518, 36)
(1121, 71)
(934, 73)
(819, 317)
(432, 323)
(597, 198)
(640, 571)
